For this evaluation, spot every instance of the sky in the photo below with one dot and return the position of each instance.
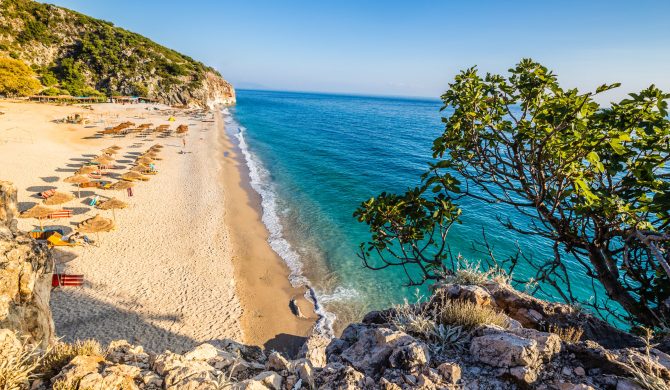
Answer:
(404, 48)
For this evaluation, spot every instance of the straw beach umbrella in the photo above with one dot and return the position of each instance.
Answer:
(38, 212)
(144, 160)
(110, 151)
(132, 176)
(121, 185)
(78, 180)
(96, 225)
(103, 160)
(113, 204)
(86, 169)
(58, 198)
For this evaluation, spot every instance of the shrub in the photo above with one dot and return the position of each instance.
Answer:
(17, 366)
(62, 353)
(472, 274)
(469, 315)
(16, 78)
(418, 320)
(569, 334)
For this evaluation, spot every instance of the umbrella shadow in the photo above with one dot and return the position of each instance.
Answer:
(22, 206)
(63, 257)
(124, 161)
(50, 179)
(40, 188)
(89, 155)
(79, 211)
(69, 170)
(80, 159)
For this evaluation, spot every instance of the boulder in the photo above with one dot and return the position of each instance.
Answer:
(314, 349)
(270, 379)
(202, 352)
(505, 350)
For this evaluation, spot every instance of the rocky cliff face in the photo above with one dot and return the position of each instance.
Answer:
(25, 277)
(79, 55)
(382, 353)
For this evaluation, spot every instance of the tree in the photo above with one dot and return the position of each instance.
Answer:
(16, 78)
(592, 180)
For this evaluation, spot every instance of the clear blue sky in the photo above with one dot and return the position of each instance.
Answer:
(411, 48)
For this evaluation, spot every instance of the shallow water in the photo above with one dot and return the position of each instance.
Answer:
(315, 157)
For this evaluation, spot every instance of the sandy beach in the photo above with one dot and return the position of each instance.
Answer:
(189, 261)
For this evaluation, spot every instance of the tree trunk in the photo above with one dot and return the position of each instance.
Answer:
(617, 292)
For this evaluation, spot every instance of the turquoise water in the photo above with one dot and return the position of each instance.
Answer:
(315, 157)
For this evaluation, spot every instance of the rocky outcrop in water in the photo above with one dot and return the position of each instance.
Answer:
(25, 276)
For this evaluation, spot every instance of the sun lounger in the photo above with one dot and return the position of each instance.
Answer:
(56, 239)
(65, 213)
(93, 201)
(44, 234)
(65, 280)
(95, 176)
(47, 194)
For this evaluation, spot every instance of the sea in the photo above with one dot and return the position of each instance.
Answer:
(313, 158)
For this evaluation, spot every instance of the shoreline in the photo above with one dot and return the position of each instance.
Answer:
(189, 261)
(262, 276)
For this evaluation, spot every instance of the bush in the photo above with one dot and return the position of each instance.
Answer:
(469, 315)
(16, 78)
(468, 273)
(569, 334)
(17, 366)
(62, 353)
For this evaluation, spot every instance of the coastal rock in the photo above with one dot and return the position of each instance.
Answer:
(314, 350)
(202, 352)
(505, 350)
(25, 277)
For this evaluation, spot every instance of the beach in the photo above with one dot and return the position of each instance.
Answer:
(189, 260)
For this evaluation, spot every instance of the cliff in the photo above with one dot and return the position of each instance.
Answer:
(25, 276)
(79, 55)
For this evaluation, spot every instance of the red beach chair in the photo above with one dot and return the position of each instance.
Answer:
(47, 194)
(61, 214)
(65, 280)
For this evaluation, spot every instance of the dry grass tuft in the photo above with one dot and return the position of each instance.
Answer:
(17, 366)
(646, 370)
(469, 273)
(62, 353)
(469, 315)
(569, 334)
(418, 321)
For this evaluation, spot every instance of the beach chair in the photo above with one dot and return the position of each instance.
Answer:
(44, 234)
(95, 175)
(65, 280)
(47, 194)
(56, 239)
(93, 201)
(65, 213)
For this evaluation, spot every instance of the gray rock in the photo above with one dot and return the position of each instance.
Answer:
(505, 350)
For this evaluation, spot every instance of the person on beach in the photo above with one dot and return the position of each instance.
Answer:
(183, 141)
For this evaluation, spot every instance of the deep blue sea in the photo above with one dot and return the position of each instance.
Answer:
(315, 157)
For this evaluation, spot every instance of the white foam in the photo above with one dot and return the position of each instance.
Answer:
(261, 183)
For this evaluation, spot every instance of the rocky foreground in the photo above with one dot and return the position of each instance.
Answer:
(466, 336)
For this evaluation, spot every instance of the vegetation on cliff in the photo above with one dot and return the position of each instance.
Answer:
(75, 54)
(16, 78)
(591, 182)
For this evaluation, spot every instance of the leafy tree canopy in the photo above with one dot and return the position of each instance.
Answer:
(16, 78)
(593, 181)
